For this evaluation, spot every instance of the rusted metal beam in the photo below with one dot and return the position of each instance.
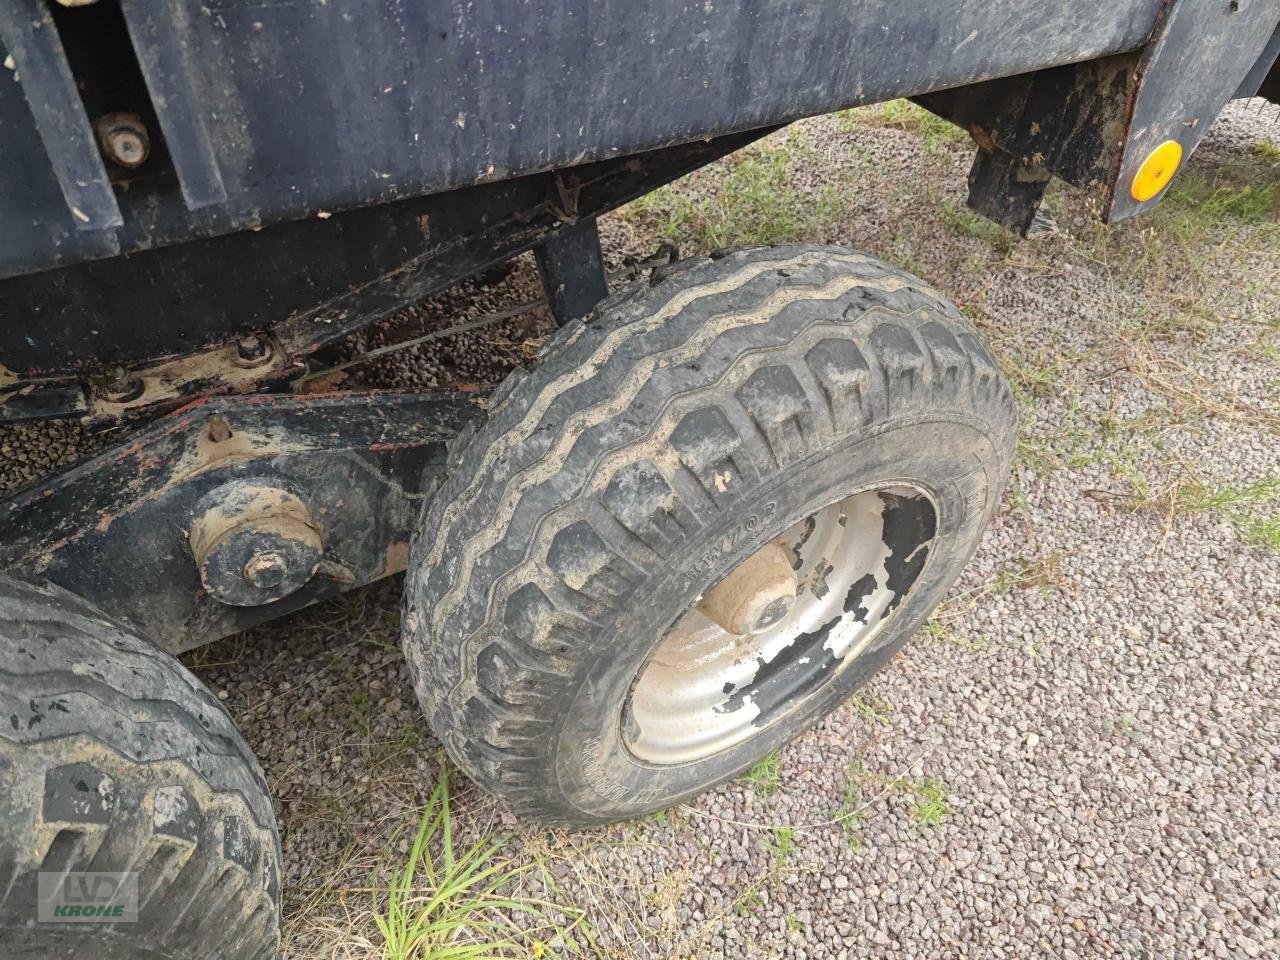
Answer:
(160, 532)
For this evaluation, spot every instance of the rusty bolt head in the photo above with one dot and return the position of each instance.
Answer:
(219, 430)
(774, 612)
(253, 350)
(266, 570)
(124, 139)
(124, 388)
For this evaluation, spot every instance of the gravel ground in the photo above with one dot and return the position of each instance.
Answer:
(1079, 755)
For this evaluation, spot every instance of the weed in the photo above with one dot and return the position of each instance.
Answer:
(765, 776)
(782, 844)
(873, 707)
(1267, 151)
(1265, 531)
(750, 903)
(1208, 201)
(1237, 503)
(448, 904)
(1025, 573)
(852, 813)
(793, 922)
(930, 804)
(928, 795)
(360, 709)
(1195, 496)
(848, 121)
(933, 630)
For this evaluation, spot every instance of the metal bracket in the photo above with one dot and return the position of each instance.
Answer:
(30, 36)
(120, 529)
(571, 266)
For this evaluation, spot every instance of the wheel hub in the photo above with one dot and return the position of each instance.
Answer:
(756, 595)
(779, 626)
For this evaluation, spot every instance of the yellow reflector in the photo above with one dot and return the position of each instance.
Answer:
(1156, 171)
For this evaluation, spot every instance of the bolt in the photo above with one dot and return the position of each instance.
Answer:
(774, 613)
(75, 3)
(253, 350)
(124, 139)
(219, 429)
(265, 570)
(124, 388)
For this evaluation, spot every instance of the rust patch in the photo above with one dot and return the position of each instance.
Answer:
(219, 369)
(396, 557)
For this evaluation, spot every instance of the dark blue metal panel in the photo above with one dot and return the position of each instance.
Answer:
(63, 149)
(298, 107)
(171, 77)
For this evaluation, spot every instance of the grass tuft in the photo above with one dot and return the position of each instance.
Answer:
(765, 777)
(929, 807)
(782, 844)
(445, 904)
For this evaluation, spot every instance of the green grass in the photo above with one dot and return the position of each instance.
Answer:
(449, 904)
(782, 844)
(765, 777)
(965, 221)
(1265, 531)
(749, 200)
(1213, 202)
(905, 115)
(929, 807)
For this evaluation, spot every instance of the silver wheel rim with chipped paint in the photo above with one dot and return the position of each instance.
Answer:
(705, 689)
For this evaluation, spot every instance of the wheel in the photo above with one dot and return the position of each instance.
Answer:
(704, 520)
(115, 759)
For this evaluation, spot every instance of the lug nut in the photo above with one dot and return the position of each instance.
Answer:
(253, 350)
(266, 570)
(124, 388)
(124, 139)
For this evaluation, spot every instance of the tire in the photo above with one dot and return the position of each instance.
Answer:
(114, 758)
(655, 448)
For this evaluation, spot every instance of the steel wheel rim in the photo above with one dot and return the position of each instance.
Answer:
(704, 689)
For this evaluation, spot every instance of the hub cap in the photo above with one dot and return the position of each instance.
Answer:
(780, 626)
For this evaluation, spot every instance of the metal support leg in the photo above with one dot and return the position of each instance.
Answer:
(1008, 191)
(572, 270)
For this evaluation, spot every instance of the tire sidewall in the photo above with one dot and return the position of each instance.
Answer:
(956, 459)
